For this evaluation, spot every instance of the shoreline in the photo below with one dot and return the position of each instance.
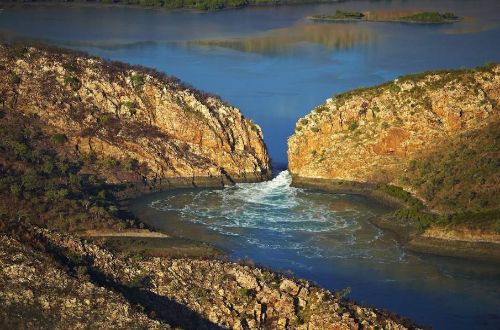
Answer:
(408, 234)
(138, 189)
(170, 10)
(349, 20)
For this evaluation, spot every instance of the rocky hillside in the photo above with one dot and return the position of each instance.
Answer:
(52, 280)
(369, 135)
(155, 124)
(37, 293)
(435, 134)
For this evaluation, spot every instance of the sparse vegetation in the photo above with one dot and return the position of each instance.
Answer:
(137, 81)
(40, 186)
(430, 17)
(386, 16)
(461, 178)
(339, 15)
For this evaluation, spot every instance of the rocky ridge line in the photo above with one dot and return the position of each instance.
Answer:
(112, 110)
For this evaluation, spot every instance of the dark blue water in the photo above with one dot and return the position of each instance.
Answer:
(276, 66)
(329, 239)
(271, 62)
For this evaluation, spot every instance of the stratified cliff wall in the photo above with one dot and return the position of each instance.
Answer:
(380, 134)
(134, 115)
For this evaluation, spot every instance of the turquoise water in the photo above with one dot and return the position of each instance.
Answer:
(329, 239)
(276, 66)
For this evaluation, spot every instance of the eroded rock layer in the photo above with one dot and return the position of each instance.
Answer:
(370, 135)
(131, 114)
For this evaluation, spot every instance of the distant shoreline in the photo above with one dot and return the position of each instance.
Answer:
(203, 6)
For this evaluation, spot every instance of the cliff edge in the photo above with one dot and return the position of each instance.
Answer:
(427, 142)
(129, 114)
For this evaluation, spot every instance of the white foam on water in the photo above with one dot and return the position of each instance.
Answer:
(274, 215)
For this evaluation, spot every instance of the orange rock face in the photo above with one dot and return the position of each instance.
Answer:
(369, 135)
(131, 113)
(392, 143)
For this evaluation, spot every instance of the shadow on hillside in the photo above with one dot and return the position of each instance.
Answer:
(158, 307)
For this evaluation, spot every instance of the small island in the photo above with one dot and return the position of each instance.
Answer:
(422, 17)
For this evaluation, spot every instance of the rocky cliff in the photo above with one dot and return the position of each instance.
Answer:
(435, 134)
(132, 115)
(369, 135)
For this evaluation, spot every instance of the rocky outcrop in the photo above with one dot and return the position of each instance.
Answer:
(140, 117)
(369, 135)
(185, 293)
(36, 293)
(427, 144)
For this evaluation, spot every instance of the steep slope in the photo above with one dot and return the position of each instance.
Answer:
(133, 115)
(369, 135)
(36, 293)
(435, 134)
(80, 278)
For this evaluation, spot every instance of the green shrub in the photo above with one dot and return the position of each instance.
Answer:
(401, 194)
(340, 14)
(201, 293)
(243, 292)
(131, 108)
(137, 81)
(105, 118)
(353, 125)
(15, 79)
(15, 189)
(322, 108)
(141, 281)
(131, 164)
(394, 88)
(72, 82)
(411, 214)
(59, 138)
(110, 163)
